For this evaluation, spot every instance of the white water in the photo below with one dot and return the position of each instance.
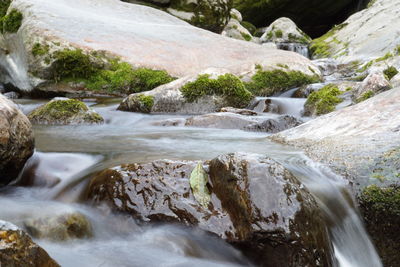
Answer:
(295, 47)
(130, 137)
(13, 63)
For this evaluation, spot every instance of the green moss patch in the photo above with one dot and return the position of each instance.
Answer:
(121, 77)
(267, 83)
(4, 5)
(40, 50)
(278, 34)
(228, 86)
(250, 27)
(98, 75)
(323, 101)
(390, 72)
(365, 96)
(246, 36)
(64, 112)
(320, 47)
(379, 199)
(11, 22)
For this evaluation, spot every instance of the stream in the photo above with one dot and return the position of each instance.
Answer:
(71, 154)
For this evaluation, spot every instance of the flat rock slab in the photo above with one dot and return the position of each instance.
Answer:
(144, 37)
(362, 142)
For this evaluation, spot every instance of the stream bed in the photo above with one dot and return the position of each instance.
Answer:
(71, 154)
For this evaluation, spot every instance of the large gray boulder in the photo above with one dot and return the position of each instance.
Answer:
(367, 35)
(18, 249)
(16, 140)
(139, 35)
(249, 200)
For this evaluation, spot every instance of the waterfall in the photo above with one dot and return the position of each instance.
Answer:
(302, 49)
(13, 63)
(352, 245)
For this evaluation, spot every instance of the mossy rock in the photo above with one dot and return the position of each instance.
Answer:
(268, 83)
(322, 101)
(138, 103)
(211, 15)
(380, 207)
(60, 227)
(64, 112)
(230, 87)
(99, 73)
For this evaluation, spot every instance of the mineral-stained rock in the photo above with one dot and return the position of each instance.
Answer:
(18, 249)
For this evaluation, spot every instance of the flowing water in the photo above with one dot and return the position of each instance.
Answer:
(68, 155)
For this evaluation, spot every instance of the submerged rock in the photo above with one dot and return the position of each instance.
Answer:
(255, 204)
(59, 227)
(16, 140)
(18, 249)
(228, 120)
(277, 125)
(63, 112)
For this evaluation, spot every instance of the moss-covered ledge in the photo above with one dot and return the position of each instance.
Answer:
(94, 71)
(270, 82)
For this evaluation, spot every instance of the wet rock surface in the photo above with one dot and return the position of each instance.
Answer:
(18, 249)
(255, 204)
(228, 120)
(16, 140)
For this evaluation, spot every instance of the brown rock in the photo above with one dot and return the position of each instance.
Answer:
(16, 140)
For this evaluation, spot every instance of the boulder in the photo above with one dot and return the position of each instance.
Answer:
(142, 36)
(211, 15)
(60, 227)
(16, 140)
(63, 112)
(204, 96)
(235, 30)
(373, 84)
(284, 30)
(368, 36)
(361, 143)
(18, 249)
(249, 200)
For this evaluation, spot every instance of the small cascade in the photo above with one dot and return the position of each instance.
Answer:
(352, 245)
(13, 63)
(301, 49)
